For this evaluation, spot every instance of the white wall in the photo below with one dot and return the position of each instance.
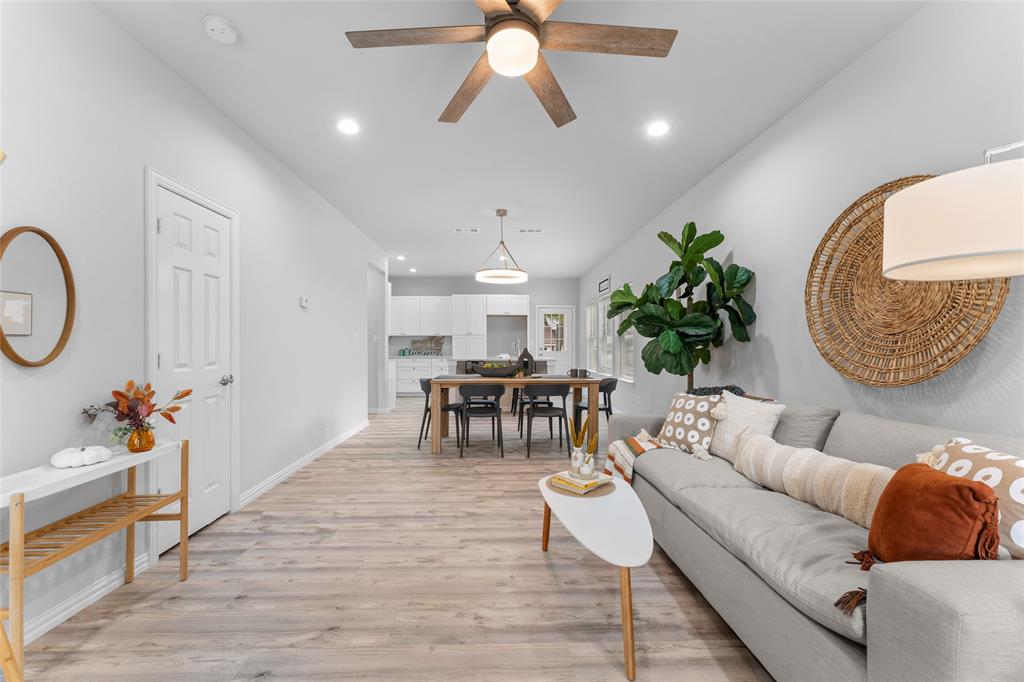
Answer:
(928, 98)
(85, 108)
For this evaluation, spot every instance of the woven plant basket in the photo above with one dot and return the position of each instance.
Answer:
(884, 332)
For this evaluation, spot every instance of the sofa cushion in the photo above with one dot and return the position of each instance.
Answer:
(865, 438)
(671, 471)
(805, 426)
(800, 551)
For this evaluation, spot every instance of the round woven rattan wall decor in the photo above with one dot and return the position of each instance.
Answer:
(884, 332)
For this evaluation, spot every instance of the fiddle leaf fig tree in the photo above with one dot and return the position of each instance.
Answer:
(682, 327)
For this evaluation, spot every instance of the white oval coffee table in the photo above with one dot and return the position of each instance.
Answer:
(615, 527)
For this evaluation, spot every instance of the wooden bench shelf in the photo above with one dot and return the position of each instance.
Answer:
(59, 540)
(25, 554)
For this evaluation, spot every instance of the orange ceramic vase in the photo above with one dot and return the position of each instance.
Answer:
(141, 440)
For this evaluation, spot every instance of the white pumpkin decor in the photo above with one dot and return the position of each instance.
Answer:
(81, 456)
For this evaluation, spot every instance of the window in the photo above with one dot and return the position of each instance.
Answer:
(554, 332)
(607, 352)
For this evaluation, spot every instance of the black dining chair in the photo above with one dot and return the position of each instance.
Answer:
(534, 410)
(425, 422)
(524, 401)
(606, 388)
(482, 401)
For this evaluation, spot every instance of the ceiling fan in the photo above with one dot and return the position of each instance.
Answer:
(514, 32)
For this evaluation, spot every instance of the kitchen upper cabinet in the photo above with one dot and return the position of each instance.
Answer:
(420, 316)
(503, 304)
(411, 318)
(469, 314)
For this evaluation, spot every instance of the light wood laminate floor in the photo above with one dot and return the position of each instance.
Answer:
(382, 562)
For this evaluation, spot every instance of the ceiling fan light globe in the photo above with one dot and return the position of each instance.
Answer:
(512, 50)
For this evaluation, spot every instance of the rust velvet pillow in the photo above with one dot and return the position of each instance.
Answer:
(924, 514)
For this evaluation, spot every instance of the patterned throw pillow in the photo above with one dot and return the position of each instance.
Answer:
(833, 484)
(737, 413)
(1002, 472)
(689, 424)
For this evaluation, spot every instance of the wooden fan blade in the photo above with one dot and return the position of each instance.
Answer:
(492, 8)
(435, 35)
(631, 40)
(467, 92)
(549, 92)
(538, 10)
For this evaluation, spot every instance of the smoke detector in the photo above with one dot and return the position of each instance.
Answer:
(220, 29)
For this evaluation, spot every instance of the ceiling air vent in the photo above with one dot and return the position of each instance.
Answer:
(530, 230)
(465, 230)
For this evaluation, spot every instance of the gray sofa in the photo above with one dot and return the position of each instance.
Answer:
(772, 566)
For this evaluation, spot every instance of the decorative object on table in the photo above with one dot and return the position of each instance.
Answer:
(580, 447)
(494, 369)
(526, 361)
(134, 407)
(576, 484)
(928, 515)
(578, 373)
(736, 413)
(1002, 472)
(968, 224)
(16, 313)
(80, 456)
(684, 331)
(15, 309)
(881, 332)
(501, 267)
(689, 424)
(622, 454)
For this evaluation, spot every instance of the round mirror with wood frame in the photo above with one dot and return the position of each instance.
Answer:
(69, 291)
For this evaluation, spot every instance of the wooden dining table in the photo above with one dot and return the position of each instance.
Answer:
(441, 386)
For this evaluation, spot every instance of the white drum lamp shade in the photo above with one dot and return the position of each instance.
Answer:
(964, 225)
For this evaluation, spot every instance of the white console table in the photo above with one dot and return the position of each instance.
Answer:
(25, 554)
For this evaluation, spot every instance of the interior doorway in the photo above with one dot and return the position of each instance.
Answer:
(192, 342)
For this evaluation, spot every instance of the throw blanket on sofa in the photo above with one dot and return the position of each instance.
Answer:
(623, 453)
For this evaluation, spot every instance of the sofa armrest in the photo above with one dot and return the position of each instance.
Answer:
(627, 425)
(946, 620)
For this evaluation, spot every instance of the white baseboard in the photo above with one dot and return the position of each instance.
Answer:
(263, 486)
(55, 615)
(379, 410)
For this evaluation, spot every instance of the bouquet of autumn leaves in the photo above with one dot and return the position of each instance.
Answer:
(135, 405)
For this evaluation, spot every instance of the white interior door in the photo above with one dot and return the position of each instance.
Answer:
(193, 344)
(556, 341)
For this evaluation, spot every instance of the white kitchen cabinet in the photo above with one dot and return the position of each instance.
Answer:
(469, 347)
(409, 371)
(428, 316)
(506, 304)
(469, 314)
(394, 317)
(410, 315)
(444, 316)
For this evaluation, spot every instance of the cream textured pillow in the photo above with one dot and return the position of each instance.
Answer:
(836, 485)
(689, 423)
(1002, 472)
(736, 414)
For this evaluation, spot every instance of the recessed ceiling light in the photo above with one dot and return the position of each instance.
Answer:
(220, 29)
(657, 128)
(412, 269)
(400, 257)
(348, 126)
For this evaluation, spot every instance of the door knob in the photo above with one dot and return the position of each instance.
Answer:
(227, 379)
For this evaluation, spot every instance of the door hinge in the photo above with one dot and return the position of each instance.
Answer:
(159, 225)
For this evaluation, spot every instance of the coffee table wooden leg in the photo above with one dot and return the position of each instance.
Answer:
(547, 528)
(626, 590)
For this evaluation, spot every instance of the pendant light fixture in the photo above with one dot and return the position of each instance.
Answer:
(500, 267)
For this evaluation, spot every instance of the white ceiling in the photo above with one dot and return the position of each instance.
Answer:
(407, 180)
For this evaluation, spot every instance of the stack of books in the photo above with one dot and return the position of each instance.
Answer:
(567, 480)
